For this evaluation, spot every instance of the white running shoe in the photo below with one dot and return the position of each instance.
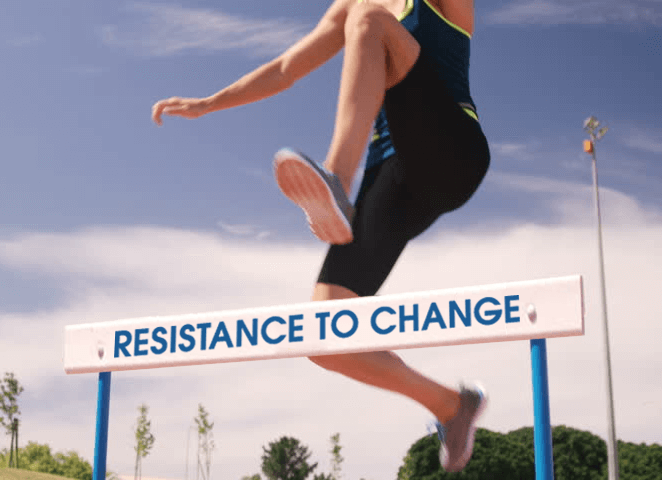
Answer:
(318, 192)
(457, 435)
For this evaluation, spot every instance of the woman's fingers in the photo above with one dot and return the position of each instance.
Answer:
(184, 107)
(157, 110)
(161, 106)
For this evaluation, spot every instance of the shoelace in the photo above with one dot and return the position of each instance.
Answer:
(439, 429)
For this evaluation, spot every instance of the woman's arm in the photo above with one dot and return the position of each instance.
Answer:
(309, 53)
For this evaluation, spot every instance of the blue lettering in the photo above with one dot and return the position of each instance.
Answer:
(406, 318)
(139, 341)
(434, 315)
(494, 314)
(173, 339)
(159, 340)
(466, 317)
(510, 308)
(121, 345)
(241, 326)
(221, 335)
(322, 316)
(185, 336)
(203, 334)
(267, 338)
(334, 323)
(373, 321)
(295, 328)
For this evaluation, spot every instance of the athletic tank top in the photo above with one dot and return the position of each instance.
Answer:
(447, 45)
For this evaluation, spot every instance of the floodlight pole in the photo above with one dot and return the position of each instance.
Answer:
(590, 125)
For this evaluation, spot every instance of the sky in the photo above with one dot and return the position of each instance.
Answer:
(105, 216)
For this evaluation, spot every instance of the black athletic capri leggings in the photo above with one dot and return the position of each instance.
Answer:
(441, 158)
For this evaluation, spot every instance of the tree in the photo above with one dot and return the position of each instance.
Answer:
(253, 477)
(205, 441)
(336, 458)
(494, 456)
(422, 460)
(72, 465)
(323, 476)
(578, 455)
(38, 458)
(10, 389)
(406, 471)
(639, 462)
(144, 439)
(286, 459)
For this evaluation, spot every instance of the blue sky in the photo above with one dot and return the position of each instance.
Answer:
(103, 215)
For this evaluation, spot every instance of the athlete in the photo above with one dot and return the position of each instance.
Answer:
(405, 74)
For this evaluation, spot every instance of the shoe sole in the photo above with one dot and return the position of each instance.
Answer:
(468, 451)
(302, 184)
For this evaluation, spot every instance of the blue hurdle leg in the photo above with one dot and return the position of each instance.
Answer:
(101, 436)
(542, 428)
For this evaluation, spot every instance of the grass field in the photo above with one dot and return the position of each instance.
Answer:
(15, 474)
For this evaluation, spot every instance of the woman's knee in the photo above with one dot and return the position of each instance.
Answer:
(368, 22)
(365, 19)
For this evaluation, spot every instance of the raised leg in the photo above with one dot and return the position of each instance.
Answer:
(386, 370)
(379, 52)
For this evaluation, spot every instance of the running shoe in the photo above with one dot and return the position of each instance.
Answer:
(318, 192)
(457, 435)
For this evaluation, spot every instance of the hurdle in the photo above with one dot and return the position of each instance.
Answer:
(528, 310)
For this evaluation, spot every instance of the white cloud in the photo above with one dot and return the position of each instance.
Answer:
(515, 150)
(245, 230)
(128, 272)
(557, 12)
(644, 140)
(172, 29)
(573, 203)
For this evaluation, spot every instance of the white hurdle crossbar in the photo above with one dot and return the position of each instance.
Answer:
(533, 310)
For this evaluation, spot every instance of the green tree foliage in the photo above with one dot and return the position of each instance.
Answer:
(10, 389)
(495, 456)
(253, 477)
(639, 462)
(205, 441)
(578, 455)
(422, 460)
(336, 457)
(73, 465)
(323, 476)
(144, 439)
(286, 459)
(498, 456)
(39, 458)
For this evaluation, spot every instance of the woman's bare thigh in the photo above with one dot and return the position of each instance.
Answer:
(402, 49)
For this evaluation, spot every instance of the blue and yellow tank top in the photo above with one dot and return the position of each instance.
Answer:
(447, 45)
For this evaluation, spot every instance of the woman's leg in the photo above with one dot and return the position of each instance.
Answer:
(386, 370)
(379, 52)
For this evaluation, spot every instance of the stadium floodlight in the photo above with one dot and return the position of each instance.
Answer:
(591, 124)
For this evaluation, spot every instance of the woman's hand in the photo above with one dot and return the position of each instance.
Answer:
(183, 107)
(310, 52)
